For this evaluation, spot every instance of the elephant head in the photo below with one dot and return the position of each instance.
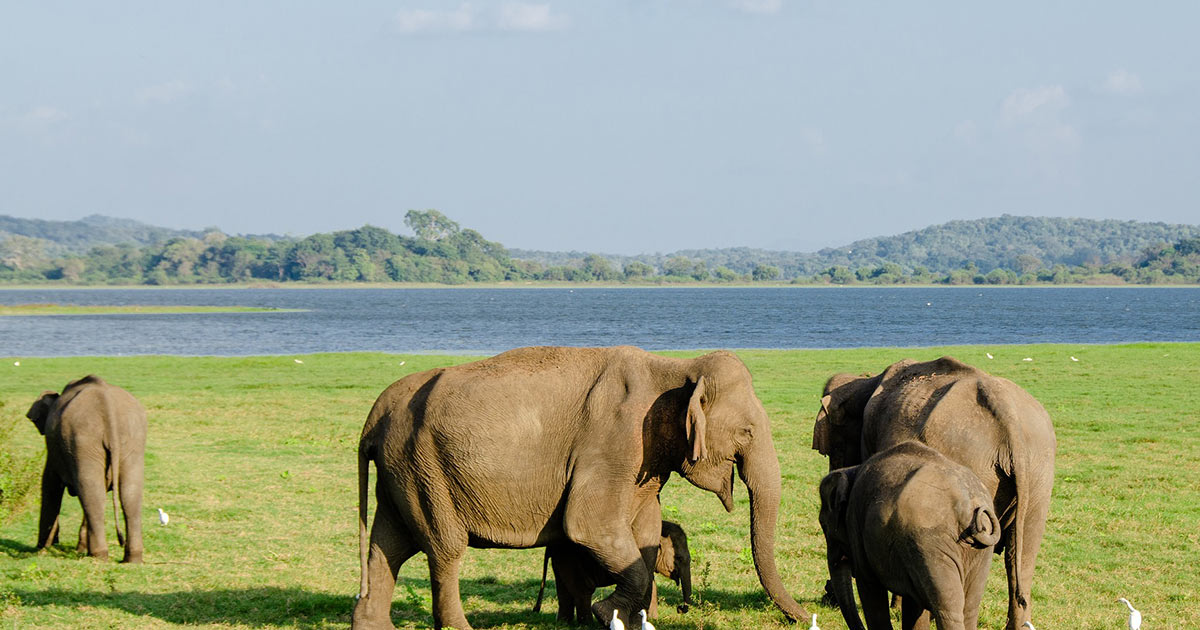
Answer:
(837, 432)
(727, 432)
(39, 412)
(675, 561)
(835, 499)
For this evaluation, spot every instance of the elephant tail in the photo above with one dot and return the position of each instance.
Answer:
(114, 460)
(364, 472)
(537, 606)
(984, 530)
(1019, 468)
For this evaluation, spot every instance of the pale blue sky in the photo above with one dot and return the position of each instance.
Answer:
(622, 127)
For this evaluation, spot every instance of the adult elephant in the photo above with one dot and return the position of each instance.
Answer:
(95, 441)
(577, 576)
(550, 445)
(912, 522)
(988, 424)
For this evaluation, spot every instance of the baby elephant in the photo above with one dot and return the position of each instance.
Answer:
(909, 521)
(95, 441)
(577, 575)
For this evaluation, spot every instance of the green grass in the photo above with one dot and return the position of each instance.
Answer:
(127, 309)
(254, 460)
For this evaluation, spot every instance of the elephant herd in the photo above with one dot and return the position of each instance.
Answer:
(934, 467)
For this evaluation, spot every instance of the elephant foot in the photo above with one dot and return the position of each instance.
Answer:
(99, 555)
(682, 608)
(132, 558)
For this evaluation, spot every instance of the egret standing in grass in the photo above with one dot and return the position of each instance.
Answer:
(814, 623)
(1028, 625)
(646, 625)
(615, 624)
(1135, 617)
(163, 519)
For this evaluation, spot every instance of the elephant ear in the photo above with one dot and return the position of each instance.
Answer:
(696, 423)
(835, 497)
(40, 410)
(821, 427)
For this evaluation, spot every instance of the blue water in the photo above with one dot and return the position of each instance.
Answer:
(491, 320)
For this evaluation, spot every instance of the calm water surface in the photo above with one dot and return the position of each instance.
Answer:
(491, 320)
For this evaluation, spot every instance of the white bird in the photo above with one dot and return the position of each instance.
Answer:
(1027, 359)
(1135, 617)
(163, 519)
(297, 360)
(646, 625)
(814, 623)
(989, 355)
(1074, 359)
(401, 363)
(1028, 625)
(616, 624)
(929, 304)
(17, 363)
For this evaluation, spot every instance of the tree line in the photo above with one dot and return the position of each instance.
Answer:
(440, 251)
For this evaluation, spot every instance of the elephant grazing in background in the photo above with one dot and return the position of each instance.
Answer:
(95, 441)
(988, 424)
(547, 446)
(912, 522)
(577, 576)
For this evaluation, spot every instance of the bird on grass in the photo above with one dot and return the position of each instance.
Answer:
(615, 624)
(163, 519)
(1028, 625)
(1027, 359)
(646, 625)
(1074, 359)
(989, 355)
(1135, 617)
(297, 360)
(814, 623)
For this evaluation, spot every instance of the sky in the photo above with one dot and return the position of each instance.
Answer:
(623, 127)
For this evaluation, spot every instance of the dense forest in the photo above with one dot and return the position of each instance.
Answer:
(1005, 250)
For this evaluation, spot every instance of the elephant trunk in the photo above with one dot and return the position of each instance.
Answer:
(685, 584)
(759, 470)
(840, 574)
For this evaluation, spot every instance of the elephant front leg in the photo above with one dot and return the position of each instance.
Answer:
(52, 493)
(447, 601)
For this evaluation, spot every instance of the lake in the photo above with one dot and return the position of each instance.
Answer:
(485, 321)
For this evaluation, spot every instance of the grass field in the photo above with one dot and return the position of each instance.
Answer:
(253, 458)
(125, 309)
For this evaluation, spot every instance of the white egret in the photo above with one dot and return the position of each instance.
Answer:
(1135, 617)
(17, 363)
(297, 360)
(646, 625)
(989, 355)
(616, 624)
(1074, 359)
(1028, 625)
(163, 519)
(1027, 359)
(814, 623)
(402, 363)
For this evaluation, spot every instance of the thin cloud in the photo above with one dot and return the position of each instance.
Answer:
(518, 16)
(1027, 102)
(164, 93)
(1123, 82)
(511, 16)
(420, 20)
(44, 115)
(759, 7)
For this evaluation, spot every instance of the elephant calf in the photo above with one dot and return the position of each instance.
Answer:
(909, 521)
(95, 441)
(577, 575)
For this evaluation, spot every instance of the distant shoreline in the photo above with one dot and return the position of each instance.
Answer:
(567, 285)
(55, 310)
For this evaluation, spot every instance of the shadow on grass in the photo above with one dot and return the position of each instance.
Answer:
(9, 546)
(297, 607)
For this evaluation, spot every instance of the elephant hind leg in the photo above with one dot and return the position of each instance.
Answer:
(132, 477)
(391, 546)
(92, 495)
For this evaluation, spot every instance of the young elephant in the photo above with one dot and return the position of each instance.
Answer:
(912, 522)
(577, 575)
(95, 441)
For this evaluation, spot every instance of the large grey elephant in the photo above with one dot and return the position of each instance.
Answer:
(577, 576)
(988, 424)
(912, 522)
(95, 441)
(550, 445)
